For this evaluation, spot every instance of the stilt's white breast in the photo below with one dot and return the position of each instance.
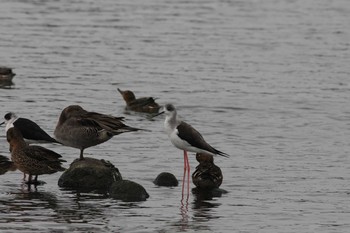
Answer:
(9, 123)
(177, 141)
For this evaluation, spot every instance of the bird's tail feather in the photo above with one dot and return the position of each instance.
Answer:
(222, 153)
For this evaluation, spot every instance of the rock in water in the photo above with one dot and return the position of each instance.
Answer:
(127, 190)
(89, 174)
(166, 179)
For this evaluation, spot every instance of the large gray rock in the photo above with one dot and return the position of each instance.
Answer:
(90, 174)
(127, 190)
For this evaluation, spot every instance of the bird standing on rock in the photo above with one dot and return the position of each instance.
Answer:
(81, 129)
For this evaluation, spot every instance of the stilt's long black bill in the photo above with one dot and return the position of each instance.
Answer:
(2, 123)
(157, 114)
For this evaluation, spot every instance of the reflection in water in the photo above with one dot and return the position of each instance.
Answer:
(6, 84)
(21, 206)
(205, 194)
(37, 199)
(23, 203)
(202, 207)
(30, 186)
(184, 212)
(82, 208)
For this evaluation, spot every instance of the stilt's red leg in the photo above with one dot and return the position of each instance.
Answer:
(185, 169)
(186, 172)
(184, 176)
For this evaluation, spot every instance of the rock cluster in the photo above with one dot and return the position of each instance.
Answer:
(101, 176)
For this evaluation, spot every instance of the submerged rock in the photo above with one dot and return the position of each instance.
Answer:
(89, 174)
(166, 179)
(127, 190)
(92, 174)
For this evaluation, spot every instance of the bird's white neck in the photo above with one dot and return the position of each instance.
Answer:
(170, 123)
(9, 123)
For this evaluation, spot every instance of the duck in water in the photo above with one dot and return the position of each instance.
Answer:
(6, 73)
(144, 104)
(207, 175)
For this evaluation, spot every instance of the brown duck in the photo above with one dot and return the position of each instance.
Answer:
(207, 175)
(144, 104)
(31, 159)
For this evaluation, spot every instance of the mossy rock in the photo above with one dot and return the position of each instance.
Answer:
(89, 174)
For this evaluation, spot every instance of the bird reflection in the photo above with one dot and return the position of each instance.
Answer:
(203, 207)
(202, 198)
(25, 200)
(6, 84)
(184, 212)
(82, 207)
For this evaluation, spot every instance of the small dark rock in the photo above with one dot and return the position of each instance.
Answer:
(166, 179)
(127, 190)
(89, 174)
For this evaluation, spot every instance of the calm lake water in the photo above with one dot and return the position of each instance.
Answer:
(265, 81)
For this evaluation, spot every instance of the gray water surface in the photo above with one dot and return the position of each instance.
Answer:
(264, 81)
